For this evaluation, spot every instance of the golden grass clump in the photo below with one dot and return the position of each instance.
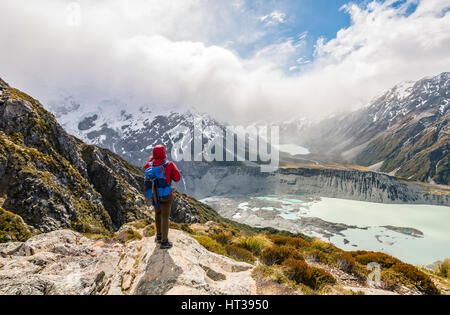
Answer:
(254, 244)
(277, 255)
(294, 242)
(211, 244)
(240, 254)
(345, 262)
(300, 272)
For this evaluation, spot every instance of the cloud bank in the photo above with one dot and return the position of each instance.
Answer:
(183, 53)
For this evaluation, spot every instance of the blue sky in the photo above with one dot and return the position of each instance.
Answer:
(312, 18)
(320, 18)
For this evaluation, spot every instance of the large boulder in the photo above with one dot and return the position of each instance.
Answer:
(65, 262)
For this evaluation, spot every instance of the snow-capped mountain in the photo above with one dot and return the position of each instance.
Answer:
(403, 132)
(131, 133)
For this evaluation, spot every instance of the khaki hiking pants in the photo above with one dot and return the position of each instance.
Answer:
(162, 214)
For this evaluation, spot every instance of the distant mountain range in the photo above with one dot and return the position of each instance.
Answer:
(404, 132)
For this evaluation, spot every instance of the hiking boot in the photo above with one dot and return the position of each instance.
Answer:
(165, 244)
(158, 238)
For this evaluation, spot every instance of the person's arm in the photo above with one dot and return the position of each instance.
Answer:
(172, 173)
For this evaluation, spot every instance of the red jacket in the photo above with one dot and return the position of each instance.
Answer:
(158, 158)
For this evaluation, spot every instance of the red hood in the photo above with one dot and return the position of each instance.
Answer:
(159, 153)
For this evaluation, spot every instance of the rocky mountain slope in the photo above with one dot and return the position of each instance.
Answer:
(127, 131)
(403, 132)
(51, 180)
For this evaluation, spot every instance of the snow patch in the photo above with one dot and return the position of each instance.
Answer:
(404, 89)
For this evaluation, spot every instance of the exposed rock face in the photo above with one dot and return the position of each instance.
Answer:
(204, 181)
(65, 262)
(54, 181)
(188, 210)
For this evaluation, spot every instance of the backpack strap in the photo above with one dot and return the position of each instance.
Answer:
(164, 164)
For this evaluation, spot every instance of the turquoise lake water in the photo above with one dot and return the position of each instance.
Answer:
(417, 234)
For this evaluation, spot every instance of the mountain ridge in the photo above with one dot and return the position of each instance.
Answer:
(405, 131)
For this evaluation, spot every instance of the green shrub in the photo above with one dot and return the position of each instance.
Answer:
(365, 258)
(210, 244)
(12, 227)
(255, 244)
(318, 256)
(275, 272)
(418, 278)
(141, 223)
(300, 272)
(149, 231)
(289, 241)
(240, 254)
(323, 246)
(320, 278)
(297, 270)
(128, 235)
(222, 238)
(277, 255)
(443, 269)
(345, 262)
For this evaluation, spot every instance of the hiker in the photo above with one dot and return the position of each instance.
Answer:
(159, 174)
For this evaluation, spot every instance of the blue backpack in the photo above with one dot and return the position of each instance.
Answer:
(156, 186)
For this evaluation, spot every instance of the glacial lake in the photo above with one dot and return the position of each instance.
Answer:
(417, 234)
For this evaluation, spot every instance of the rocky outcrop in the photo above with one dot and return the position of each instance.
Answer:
(54, 181)
(186, 209)
(203, 181)
(65, 262)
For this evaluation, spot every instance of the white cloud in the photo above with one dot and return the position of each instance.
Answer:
(303, 61)
(303, 35)
(170, 52)
(274, 18)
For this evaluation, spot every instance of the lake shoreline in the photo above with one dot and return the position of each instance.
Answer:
(413, 233)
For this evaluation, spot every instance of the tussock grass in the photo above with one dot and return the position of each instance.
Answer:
(255, 244)
(277, 255)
